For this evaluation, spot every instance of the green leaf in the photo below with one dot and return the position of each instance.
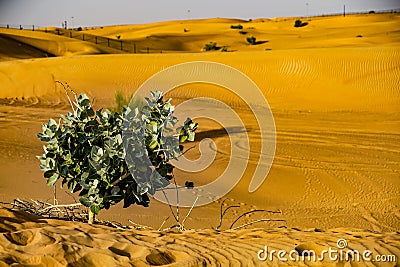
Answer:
(153, 144)
(52, 179)
(85, 201)
(95, 209)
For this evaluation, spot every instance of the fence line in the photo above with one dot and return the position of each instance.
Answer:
(122, 45)
(131, 46)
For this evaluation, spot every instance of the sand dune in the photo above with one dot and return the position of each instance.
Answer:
(30, 240)
(275, 34)
(50, 43)
(11, 49)
(336, 103)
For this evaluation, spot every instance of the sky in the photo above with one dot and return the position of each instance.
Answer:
(115, 12)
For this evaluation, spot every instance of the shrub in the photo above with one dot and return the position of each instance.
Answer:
(243, 32)
(237, 27)
(224, 49)
(298, 23)
(80, 29)
(87, 152)
(251, 40)
(210, 46)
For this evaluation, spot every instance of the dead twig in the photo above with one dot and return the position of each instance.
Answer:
(66, 92)
(253, 211)
(60, 206)
(166, 219)
(222, 214)
(191, 208)
(256, 221)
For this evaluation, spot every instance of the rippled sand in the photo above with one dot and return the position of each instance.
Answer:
(335, 99)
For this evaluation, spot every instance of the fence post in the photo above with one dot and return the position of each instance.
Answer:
(33, 27)
(83, 37)
(58, 31)
(108, 42)
(96, 39)
(8, 26)
(70, 34)
(121, 45)
(134, 48)
(147, 50)
(20, 27)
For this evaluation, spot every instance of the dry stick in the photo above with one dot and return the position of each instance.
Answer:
(252, 211)
(256, 221)
(222, 214)
(170, 207)
(166, 219)
(60, 206)
(177, 200)
(120, 179)
(187, 215)
(183, 153)
(140, 226)
(73, 92)
(66, 92)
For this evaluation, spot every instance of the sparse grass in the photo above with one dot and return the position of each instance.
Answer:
(120, 101)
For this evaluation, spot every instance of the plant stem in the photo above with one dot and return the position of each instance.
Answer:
(91, 217)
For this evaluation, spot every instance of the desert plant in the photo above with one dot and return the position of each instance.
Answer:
(210, 46)
(298, 23)
(120, 101)
(237, 27)
(224, 49)
(251, 40)
(243, 32)
(87, 152)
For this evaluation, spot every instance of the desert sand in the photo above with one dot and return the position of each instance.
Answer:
(332, 86)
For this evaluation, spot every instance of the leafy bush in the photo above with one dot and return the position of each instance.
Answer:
(210, 46)
(224, 49)
(237, 27)
(243, 32)
(298, 23)
(251, 40)
(87, 152)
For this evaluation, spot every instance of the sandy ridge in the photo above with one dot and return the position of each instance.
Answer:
(27, 239)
